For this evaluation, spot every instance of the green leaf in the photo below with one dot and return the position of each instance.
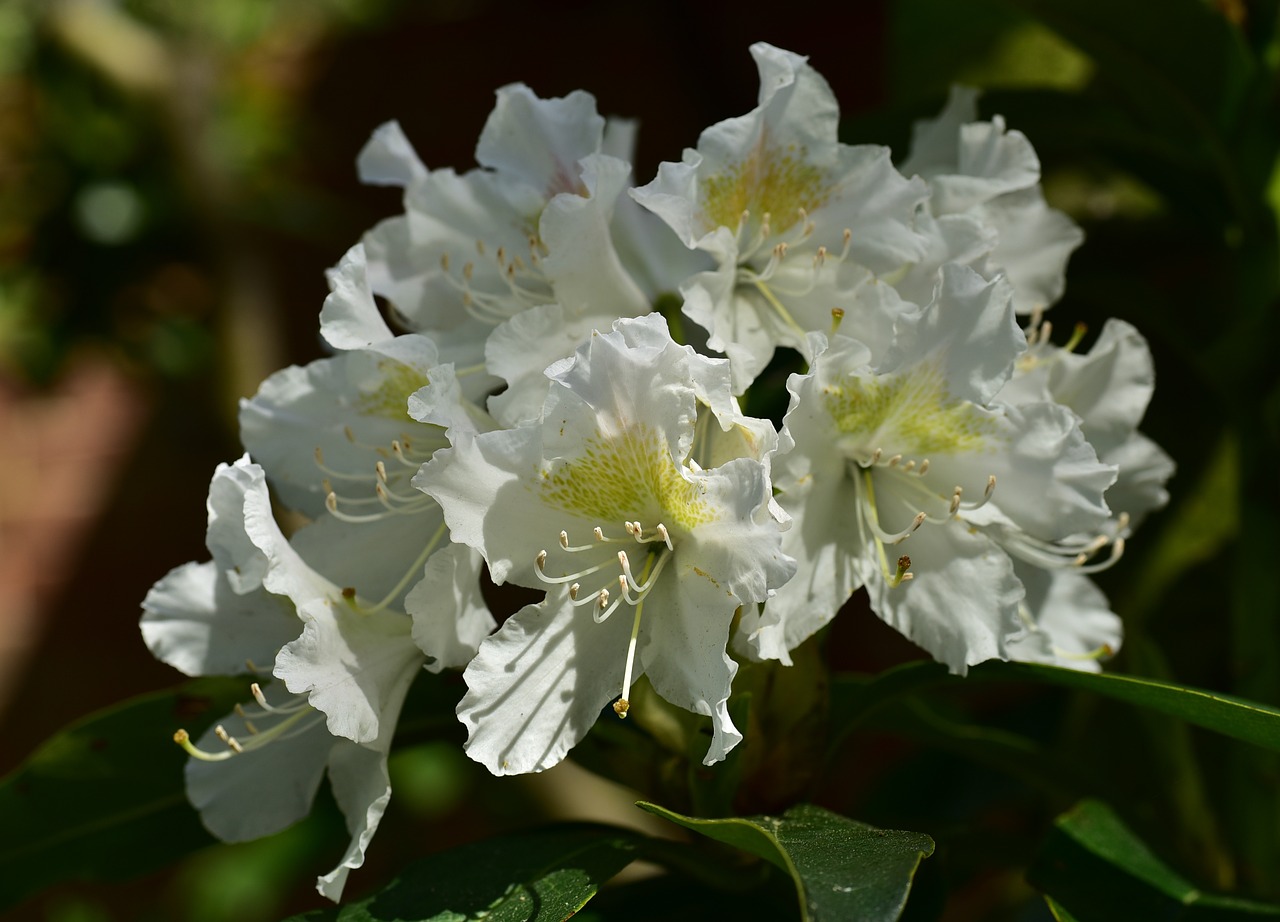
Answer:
(1095, 868)
(543, 876)
(1059, 914)
(854, 699)
(103, 799)
(1236, 717)
(841, 869)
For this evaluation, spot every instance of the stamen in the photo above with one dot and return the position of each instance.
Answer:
(232, 743)
(1076, 335)
(900, 536)
(605, 608)
(319, 458)
(837, 318)
(540, 563)
(1103, 652)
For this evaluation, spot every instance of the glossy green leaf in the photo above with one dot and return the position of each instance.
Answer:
(104, 798)
(1094, 867)
(543, 876)
(841, 869)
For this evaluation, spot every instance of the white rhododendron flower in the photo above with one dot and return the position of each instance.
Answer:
(340, 441)
(520, 253)
(907, 477)
(647, 553)
(1108, 388)
(343, 672)
(985, 206)
(516, 401)
(792, 217)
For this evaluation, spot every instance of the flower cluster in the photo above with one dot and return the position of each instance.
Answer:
(523, 407)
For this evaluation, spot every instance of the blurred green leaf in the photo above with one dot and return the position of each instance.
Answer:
(103, 799)
(1096, 868)
(543, 876)
(842, 869)
(1199, 97)
(1059, 914)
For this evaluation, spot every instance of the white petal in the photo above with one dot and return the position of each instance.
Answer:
(193, 621)
(372, 557)
(260, 791)
(1074, 626)
(1034, 243)
(971, 331)
(1109, 387)
(388, 159)
(520, 350)
(347, 406)
(1049, 481)
(537, 686)
(362, 789)
(962, 604)
(450, 617)
(824, 541)
(540, 141)
(349, 318)
(1140, 485)
(355, 666)
(682, 645)
(581, 260)
(935, 143)
(240, 557)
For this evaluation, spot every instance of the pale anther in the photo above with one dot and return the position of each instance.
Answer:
(564, 540)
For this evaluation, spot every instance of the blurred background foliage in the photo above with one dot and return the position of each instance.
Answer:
(175, 176)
